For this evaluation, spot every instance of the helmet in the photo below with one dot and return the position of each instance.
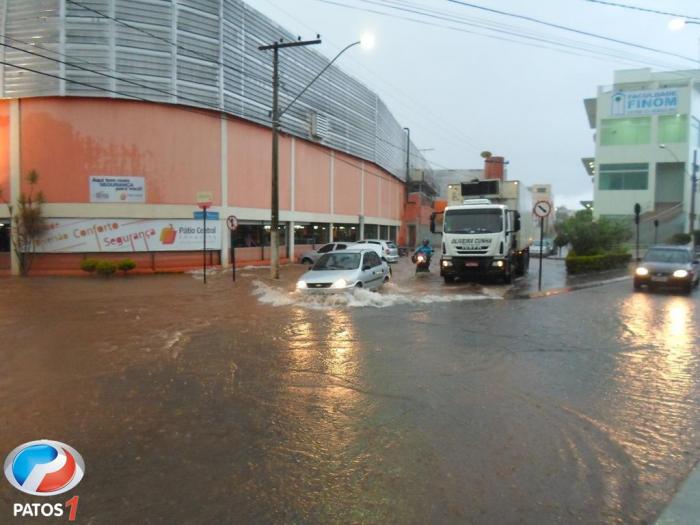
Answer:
(426, 242)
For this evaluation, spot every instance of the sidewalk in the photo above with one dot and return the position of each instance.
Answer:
(555, 280)
(684, 508)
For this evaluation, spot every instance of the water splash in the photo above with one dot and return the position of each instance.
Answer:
(359, 297)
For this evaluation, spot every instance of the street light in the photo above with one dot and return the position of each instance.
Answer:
(693, 188)
(677, 24)
(367, 42)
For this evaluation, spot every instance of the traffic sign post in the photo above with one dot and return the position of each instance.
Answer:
(204, 201)
(232, 223)
(542, 210)
(637, 212)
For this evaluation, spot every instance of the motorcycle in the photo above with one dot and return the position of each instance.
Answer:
(422, 262)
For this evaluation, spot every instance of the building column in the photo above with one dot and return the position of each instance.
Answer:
(225, 233)
(290, 244)
(15, 178)
(330, 232)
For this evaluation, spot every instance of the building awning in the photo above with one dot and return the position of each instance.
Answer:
(591, 105)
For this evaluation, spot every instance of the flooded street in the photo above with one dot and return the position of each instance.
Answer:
(424, 403)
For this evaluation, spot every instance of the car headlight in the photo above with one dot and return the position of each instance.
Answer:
(301, 285)
(340, 283)
(498, 264)
(642, 271)
(680, 274)
(445, 264)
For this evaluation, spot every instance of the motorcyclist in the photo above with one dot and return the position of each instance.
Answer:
(425, 248)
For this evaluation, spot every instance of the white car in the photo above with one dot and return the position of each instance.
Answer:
(345, 270)
(389, 250)
(312, 256)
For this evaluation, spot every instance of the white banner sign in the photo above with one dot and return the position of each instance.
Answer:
(117, 189)
(127, 235)
(644, 102)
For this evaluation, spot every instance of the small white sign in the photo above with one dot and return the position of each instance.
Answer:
(117, 189)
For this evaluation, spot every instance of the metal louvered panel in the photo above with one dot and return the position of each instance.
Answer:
(180, 51)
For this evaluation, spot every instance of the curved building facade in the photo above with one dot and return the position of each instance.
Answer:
(127, 109)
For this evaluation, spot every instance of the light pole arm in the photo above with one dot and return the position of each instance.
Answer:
(279, 115)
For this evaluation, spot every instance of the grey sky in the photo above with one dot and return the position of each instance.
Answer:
(461, 93)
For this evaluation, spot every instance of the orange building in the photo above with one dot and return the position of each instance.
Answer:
(174, 153)
(127, 112)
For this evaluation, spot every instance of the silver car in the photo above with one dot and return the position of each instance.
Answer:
(389, 250)
(344, 270)
(312, 256)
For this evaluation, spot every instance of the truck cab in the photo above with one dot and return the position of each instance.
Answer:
(481, 238)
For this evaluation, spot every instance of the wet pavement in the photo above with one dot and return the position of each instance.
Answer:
(424, 403)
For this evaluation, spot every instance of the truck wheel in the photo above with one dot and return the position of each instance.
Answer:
(508, 274)
(449, 279)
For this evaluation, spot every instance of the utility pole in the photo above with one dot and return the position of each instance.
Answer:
(408, 153)
(693, 189)
(274, 203)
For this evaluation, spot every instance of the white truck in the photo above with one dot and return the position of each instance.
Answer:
(480, 231)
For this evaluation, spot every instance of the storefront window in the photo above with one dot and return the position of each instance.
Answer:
(371, 231)
(282, 234)
(384, 232)
(345, 232)
(623, 176)
(4, 236)
(252, 235)
(313, 233)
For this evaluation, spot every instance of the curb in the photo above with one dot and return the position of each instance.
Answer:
(559, 291)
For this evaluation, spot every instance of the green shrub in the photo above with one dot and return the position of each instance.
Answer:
(89, 265)
(596, 263)
(589, 236)
(679, 238)
(106, 268)
(126, 265)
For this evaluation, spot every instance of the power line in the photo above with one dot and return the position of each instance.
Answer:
(500, 28)
(642, 9)
(585, 52)
(570, 29)
(411, 103)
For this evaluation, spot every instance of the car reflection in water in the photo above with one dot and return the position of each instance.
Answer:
(655, 382)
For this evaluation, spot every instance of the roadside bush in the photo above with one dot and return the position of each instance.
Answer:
(126, 265)
(679, 238)
(89, 265)
(576, 264)
(589, 236)
(106, 268)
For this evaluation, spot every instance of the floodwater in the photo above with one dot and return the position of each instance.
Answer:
(423, 403)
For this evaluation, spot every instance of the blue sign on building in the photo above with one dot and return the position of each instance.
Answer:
(211, 215)
(648, 102)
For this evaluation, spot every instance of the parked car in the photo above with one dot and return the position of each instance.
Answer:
(312, 256)
(546, 247)
(668, 266)
(345, 270)
(389, 250)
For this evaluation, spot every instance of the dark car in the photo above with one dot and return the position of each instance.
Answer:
(668, 266)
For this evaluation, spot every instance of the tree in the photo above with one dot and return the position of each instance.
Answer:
(593, 237)
(28, 222)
